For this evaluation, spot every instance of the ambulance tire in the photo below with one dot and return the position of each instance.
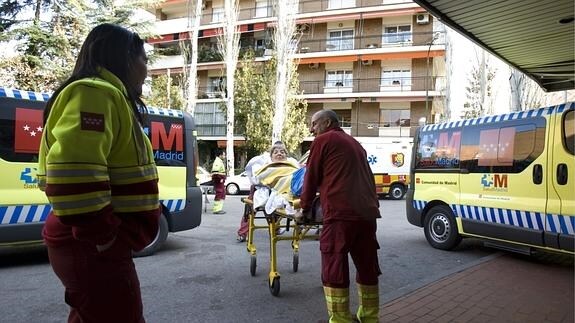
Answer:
(158, 240)
(441, 229)
(396, 192)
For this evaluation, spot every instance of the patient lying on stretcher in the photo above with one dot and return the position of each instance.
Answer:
(273, 182)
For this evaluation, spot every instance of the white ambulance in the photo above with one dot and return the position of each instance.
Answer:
(389, 159)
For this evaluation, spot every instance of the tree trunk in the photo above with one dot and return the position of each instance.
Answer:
(286, 44)
(194, 20)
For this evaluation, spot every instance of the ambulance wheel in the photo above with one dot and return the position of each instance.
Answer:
(441, 229)
(253, 265)
(396, 192)
(161, 236)
(295, 261)
(275, 286)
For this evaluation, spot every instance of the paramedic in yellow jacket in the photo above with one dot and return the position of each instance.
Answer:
(219, 180)
(97, 169)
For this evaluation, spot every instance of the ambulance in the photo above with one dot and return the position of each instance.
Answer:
(24, 208)
(508, 179)
(389, 159)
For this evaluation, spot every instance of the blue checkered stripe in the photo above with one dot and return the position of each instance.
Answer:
(26, 95)
(37, 96)
(523, 219)
(15, 214)
(174, 205)
(24, 213)
(165, 112)
(502, 117)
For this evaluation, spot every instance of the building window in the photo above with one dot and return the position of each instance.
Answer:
(260, 44)
(344, 117)
(339, 78)
(217, 14)
(216, 87)
(396, 77)
(340, 40)
(338, 4)
(397, 34)
(210, 119)
(261, 9)
(394, 118)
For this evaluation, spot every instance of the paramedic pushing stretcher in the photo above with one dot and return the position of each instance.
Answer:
(337, 167)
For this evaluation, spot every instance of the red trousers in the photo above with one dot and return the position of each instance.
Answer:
(99, 287)
(357, 238)
(219, 186)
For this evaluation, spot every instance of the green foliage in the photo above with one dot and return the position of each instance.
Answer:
(254, 105)
(48, 43)
(159, 96)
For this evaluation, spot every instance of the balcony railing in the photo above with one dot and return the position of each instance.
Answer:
(309, 6)
(369, 42)
(211, 16)
(395, 84)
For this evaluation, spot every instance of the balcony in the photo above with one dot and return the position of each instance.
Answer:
(372, 43)
(167, 62)
(311, 6)
(363, 85)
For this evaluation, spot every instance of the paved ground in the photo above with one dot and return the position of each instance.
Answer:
(502, 288)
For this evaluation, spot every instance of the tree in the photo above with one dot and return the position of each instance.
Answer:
(48, 42)
(166, 93)
(479, 92)
(229, 46)
(285, 41)
(191, 79)
(254, 101)
(525, 93)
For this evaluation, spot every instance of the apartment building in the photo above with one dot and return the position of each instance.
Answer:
(380, 64)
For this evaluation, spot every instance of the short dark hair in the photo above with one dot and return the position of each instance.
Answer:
(114, 48)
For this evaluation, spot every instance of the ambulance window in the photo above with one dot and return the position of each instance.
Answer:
(20, 129)
(569, 131)
(509, 148)
(438, 149)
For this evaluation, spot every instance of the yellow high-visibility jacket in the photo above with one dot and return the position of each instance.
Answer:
(218, 167)
(96, 166)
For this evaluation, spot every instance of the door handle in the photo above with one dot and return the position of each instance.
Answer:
(537, 174)
(562, 174)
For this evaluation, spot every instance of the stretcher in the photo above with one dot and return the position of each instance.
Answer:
(301, 231)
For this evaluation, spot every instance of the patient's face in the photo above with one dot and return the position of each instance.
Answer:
(279, 154)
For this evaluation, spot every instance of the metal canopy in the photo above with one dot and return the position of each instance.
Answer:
(537, 37)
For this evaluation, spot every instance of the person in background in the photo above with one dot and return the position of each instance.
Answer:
(337, 167)
(97, 169)
(219, 181)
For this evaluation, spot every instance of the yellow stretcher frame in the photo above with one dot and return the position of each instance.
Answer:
(300, 232)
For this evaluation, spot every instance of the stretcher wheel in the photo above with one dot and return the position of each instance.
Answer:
(275, 286)
(253, 265)
(295, 261)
